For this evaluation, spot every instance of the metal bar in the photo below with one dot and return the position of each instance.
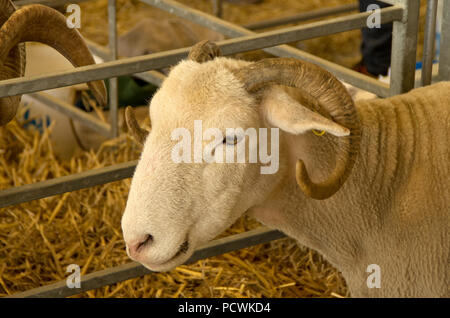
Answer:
(138, 64)
(434, 76)
(113, 83)
(301, 17)
(393, 2)
(73, 182)
(404, 44)
(233, 30)
(310, 30)
(98, 50)
(50, 3)
(320, 28)
(254, 41)
(69, 110)
(428, 45)
(444, 55)
(347, 75)
(73, 112)
(217, 8)
(132, 270)
(153, 77)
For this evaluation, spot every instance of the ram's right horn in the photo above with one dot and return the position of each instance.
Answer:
(330, 94)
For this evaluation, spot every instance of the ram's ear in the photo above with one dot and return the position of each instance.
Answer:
(285, 112)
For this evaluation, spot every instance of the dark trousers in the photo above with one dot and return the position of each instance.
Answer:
(376, 43)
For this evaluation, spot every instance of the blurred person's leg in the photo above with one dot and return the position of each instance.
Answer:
(376, 44)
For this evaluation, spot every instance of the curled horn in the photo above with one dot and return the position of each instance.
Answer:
(330, 94)
(138, 133)
(204, 51)
(13, 65)
(38, 23)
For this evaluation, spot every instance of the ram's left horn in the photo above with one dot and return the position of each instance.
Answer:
(138, 133)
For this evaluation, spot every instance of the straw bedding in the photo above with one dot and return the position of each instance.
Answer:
(39, 239)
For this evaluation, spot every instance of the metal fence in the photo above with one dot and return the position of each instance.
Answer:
(403, 13)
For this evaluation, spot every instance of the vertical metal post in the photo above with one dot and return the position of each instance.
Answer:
(428, 45)
(444, 55)
(404, 46)
(113, 85)
(217, 8)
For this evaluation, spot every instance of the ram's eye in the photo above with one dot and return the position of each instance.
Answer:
(230, 140)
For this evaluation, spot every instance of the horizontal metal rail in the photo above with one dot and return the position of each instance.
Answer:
(393, 2)
(301, 16)
(154, 77)
(50, 3)
(84, 74)
(139, 64)
(72, 112)
(132, 270)
(232, 30)
(73, 182)
(99, 50)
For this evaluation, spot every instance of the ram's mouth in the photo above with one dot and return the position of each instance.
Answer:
(174, 261)
(177, 259)
(182, 250)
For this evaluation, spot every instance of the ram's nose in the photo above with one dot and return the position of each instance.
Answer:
(137, 246)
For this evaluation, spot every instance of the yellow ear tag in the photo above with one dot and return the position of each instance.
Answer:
(318, 133)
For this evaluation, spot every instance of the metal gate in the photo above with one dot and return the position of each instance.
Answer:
(403, 13)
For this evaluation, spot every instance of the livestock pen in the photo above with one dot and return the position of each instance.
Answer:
(404, 13)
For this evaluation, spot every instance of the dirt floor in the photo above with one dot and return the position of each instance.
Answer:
(39, 239)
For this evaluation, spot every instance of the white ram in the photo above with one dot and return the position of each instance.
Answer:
(380, 193)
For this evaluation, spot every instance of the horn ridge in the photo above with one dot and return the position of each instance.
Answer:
(330, 94)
